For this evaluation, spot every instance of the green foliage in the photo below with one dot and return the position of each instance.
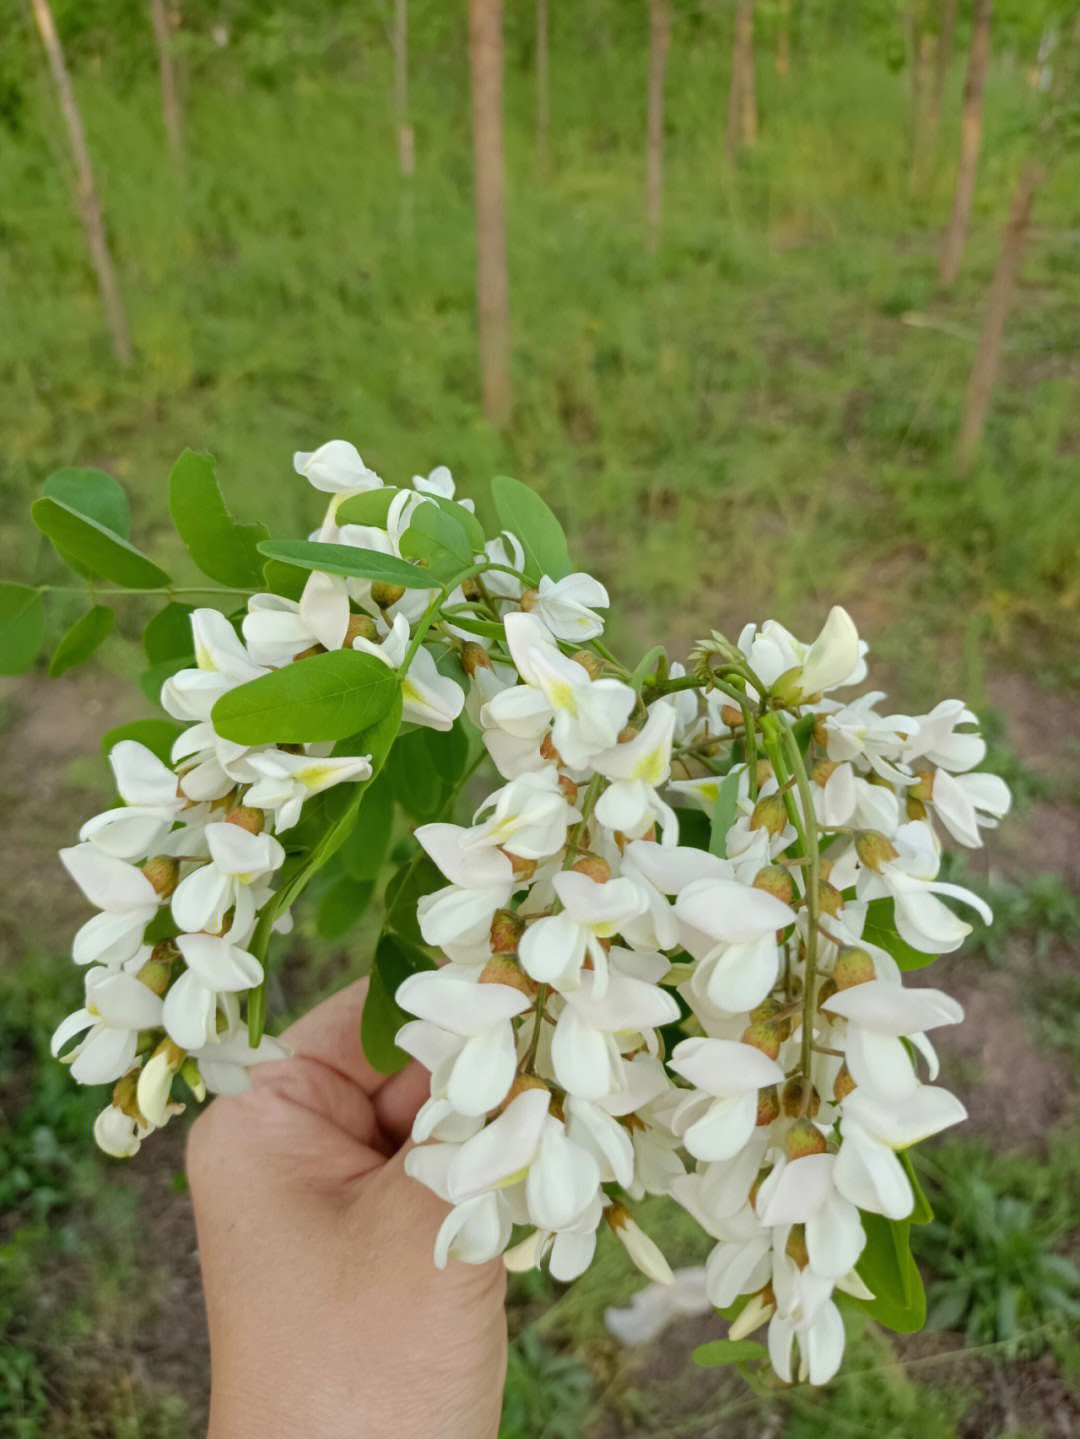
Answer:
(435, 537)
(88, 542)
(547, 1393)
(82, 639)
(728, 1351)
(325, 697)
(724, 814)
(880, 929)
(993, 1250)
(887, 1268)
(395, 960)
(158, 735)
(353, 563)
(22, 627)
(524, 514)
(219, 546)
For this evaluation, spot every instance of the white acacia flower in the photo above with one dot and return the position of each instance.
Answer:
(804, 1191)
(336, 469)
(481, 881)
(719, 1119)
(118, 1008)
(428, 698)
(592, 1030)
(118, 1134)
(221, 661)
(530, 819)
(834, 658)
(879, 1014)
(921, 919)
(236, 878)
(476, 1073)
(807, 1315)
(149, 790)
(224, 1062)
(554, 949)
(125, 896)
(636, 768)
(215, 967)
(935, 737)
(283, 782)
(568, 607)
(732, 929)
(967, 802)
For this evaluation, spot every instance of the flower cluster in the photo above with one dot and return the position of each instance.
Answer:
(668, 955)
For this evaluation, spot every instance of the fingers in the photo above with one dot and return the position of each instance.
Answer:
(398, 1101)
(330, 1034)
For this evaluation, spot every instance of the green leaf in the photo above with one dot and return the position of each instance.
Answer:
(151, 679)
(417, 784)
(285, 580)
(377, 738)
(370, 508)
(325, 697)
(395, 960)
(158, 735)
(82, 639)
(724, 812)
(168, 635)
(94, 494)
(22, 627)
(348, 561)
(341, 906)
(645, 665)
(880, 929)
(99, 549)
(474, 530)
(524, 514)
(222, 549)
(888, 1269)
(362, 854)
(488, 628)
(803, 730)
(435, 536)
(922, 1213)
(728, 1351)
(407, 886)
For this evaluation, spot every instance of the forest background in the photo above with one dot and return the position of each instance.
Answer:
(753, 361)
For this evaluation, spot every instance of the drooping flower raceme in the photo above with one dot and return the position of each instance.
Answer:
(662, 951)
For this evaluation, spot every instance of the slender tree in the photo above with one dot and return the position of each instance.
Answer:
(998, 303)
(742, 96)
(170, 103)
(659, 45)
(87, 202)
(783, 39)
(406, 149)
(970, 140)
(543, 88)
(492, 289)
(942, 60)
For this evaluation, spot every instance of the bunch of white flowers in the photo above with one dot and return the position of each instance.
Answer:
(666, 955)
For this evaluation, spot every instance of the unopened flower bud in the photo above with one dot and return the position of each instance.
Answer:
(163, 872)
(761, 1307)
(569, 788)
(830, 900)
(588, 662)
(853, 966)
(189, 1073)
(124, 1097)
(731, 716)
(310, 652)
(360, 627)
(820, 734)
(764, 772)
(522, 868)
(803, 1138)
(787, 688)
(874, 850)
(245, 816)
(914, 808)
(843, 1084)
(385, 594)
(474, 657)
(764, 1036)
(155, 976)
(775, 881)
(770, 815)
(503, 970)
(823, 771)
(641, 1249)
(768, 1106)
(593, 867)
(923, 788)
(528, 599)
(470, 588)
(506, 930)
(549, 752)
(791, 1098)
(795, 1248)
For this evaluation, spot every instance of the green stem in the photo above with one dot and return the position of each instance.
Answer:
(809, 837)
(170, 592)
(427, 619)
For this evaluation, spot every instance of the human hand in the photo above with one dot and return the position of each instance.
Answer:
(328, 1318)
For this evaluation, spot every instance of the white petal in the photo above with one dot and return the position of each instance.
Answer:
(484, 1070)
(563, 1180)
(724, 1128)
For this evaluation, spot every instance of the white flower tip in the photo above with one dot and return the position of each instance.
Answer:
(832, 656)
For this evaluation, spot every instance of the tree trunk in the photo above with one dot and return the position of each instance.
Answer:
(406, 152)
(543, 88)
(170, 104)
(492, 290)
(942, 60)
(742, 96)
(970, 138)
(999, 301)
(87, 202)
(659, 44)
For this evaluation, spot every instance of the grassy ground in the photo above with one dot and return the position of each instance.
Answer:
(759, 420)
